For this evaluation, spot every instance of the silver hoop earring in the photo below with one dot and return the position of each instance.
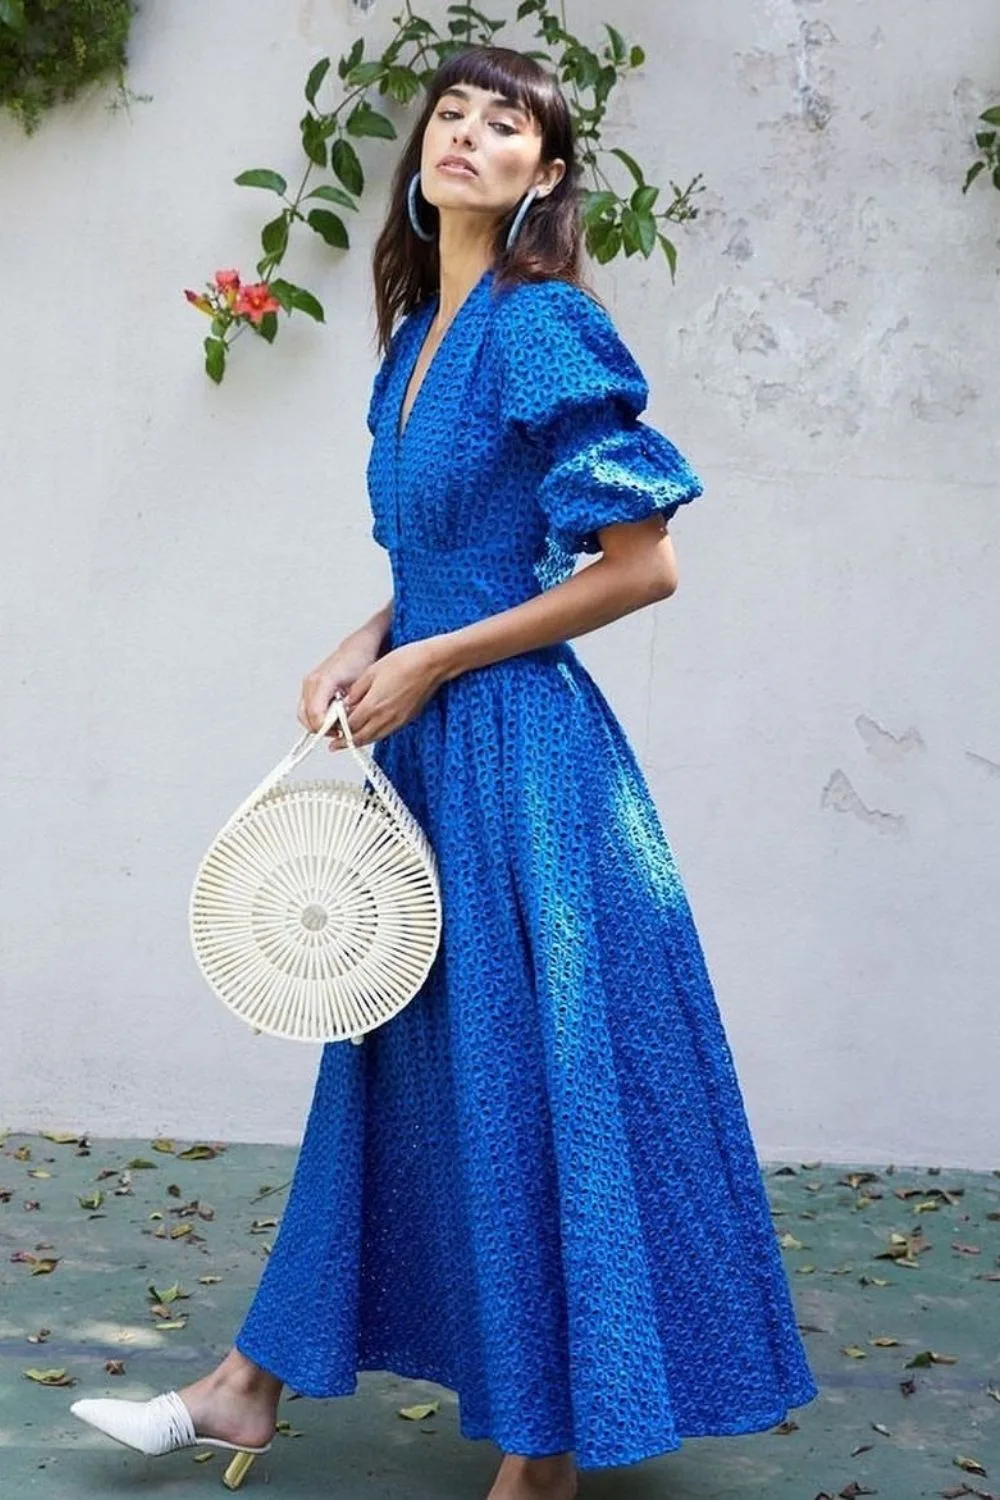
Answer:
(411, 203)
(526, 203)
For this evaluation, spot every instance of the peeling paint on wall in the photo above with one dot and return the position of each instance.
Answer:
(885, 745)
(840, 795)
(991, 767)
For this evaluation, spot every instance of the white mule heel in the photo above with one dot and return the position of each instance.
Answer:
(160, 1425)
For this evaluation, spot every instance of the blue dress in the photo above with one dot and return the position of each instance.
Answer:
(536, 1185)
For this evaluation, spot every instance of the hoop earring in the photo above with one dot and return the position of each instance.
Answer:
(515, 228)
(411, 203)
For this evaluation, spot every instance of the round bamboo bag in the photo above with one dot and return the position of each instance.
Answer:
(316, 912)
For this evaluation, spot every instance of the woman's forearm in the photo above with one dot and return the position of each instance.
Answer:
(375, 630)
(594, 596)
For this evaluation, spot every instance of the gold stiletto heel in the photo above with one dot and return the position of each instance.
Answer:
(238, 1470)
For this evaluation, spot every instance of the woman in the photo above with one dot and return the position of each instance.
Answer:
(536, 1184)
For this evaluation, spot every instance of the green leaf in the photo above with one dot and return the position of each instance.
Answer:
(12, 14)
(262, 177)
(316, 76)
(996, 176)
(631, 235)
(215, 359)
(992, 115)
(267, 327)
(646, 231)
(364, 74)
(637, 57)
(617, 43)
(670, 251)
(282, 290)
(329, 226)
(313, 139)
(331, 194)
(346, 165)
(643, 199)
(401, 84)
(972, 174)
(985, 139)
(631, 163)
(352, 59)
(274, 236)
(605, 243)
(363, 120)
(305, 302)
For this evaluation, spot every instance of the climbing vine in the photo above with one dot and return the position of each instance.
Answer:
(51, 49)
(620, 208)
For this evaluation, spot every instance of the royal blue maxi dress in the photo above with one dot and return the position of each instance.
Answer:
(536, 1185)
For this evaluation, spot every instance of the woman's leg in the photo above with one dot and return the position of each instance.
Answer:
(237, 1401)
(549, 1478)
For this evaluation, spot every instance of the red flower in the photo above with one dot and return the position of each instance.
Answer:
(254, 301)
(227, 280)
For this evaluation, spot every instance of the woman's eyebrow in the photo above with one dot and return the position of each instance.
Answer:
(502, 99)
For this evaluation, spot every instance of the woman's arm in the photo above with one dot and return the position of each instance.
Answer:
(376, 629)
(637, 567)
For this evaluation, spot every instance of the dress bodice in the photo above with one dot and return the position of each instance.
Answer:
(522, 441)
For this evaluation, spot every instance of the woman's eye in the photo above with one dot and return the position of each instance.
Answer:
(443, 114)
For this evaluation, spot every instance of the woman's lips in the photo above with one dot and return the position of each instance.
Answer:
(452, 166)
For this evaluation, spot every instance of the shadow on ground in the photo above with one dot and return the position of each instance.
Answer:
(896, 1276)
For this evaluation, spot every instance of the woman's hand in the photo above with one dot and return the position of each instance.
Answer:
(390, 692)
(337, 673)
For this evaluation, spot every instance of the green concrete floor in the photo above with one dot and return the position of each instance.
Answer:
(881, 1426)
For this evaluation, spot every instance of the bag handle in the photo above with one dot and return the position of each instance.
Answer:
(305, 745)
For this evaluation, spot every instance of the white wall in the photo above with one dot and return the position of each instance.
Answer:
(816, 708)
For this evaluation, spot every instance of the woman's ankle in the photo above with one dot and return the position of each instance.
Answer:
(241, 1374)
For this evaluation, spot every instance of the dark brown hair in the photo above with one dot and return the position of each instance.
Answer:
(405, 268)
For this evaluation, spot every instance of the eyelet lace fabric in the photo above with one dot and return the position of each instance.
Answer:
(537, 1184)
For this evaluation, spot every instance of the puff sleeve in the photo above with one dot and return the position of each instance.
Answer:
(572, 386)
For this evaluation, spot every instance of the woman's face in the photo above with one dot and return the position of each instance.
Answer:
(500, 142)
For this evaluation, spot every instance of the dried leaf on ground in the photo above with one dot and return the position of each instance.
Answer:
(167, 1294)
(970, 1465)
(419, 1413)
(49, 1377)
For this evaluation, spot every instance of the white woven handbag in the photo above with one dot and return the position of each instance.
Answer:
(316, 912)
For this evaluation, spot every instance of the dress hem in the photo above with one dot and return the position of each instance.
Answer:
(507, 1443)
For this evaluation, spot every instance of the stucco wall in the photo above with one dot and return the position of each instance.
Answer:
(817, 708)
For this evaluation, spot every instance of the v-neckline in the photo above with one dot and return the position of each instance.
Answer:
(402, 428)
